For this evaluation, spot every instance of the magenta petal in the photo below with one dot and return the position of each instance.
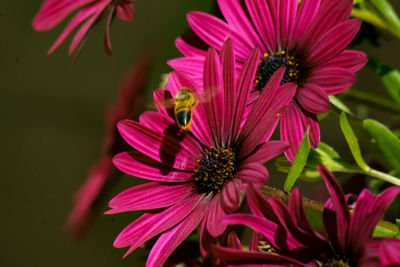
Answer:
(367, 213)
(305, 16)
(229, 78)
(192, 66)
(333, 80)
(254, 173)
(333, 42)
(158, 146)
(235, 16)
(85, 199)
(206, 238)
(294, 123)
(214, 32)
(287, 14)
(54, 11)
(150, 225)
(313, 98)
(149, 196)
(329, 14)
(247, 258)
(76, 20)
(245, 83)
(233, 241)
(310, 120)
(340, 206)
(254, 241)
(349, 59)
(214, 214)
(297, 210)
(138, 165)
(261, 16)
(266, 151)
(107, 41)
(265, 227)
(188, 50)
(263, 104)
(258, 204)
(261, 123)
(178, 80)
(292, 130)
(170, 240)
(213, 85)
(159, 123)
(125, 12)
(231, 196)
(83, 31)
(389, 251)
(160, 98)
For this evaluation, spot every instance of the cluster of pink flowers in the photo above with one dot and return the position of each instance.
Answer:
(269, 62)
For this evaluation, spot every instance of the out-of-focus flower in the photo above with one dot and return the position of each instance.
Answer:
(307, 37)
(103, 173)
(90, 12)
(198, 174)
(292, 241)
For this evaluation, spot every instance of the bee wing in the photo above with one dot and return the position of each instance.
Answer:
(205, 95)
(162, 103)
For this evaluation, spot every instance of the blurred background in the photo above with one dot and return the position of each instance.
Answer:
(52, 125)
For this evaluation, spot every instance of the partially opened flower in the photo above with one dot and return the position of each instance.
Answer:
(307, 37)
(286, 229)
(90, 12)
(103, 174)
(198, 174)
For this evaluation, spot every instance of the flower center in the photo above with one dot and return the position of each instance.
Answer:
(272, 62)
(216, 168)
(336, 263)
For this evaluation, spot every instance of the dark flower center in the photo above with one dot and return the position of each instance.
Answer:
(216, 168)
(272, 62)
(336, 263)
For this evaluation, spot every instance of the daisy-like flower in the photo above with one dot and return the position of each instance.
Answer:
(307, 37)
(53, 12)
(198, 175)
(103, 174)
(292, 241)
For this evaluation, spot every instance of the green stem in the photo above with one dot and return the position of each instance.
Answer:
(368, 17)
(383, 176)
(373, 173)
(374, 100)
(274, 192)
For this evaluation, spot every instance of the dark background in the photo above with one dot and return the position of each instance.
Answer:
(52, 125)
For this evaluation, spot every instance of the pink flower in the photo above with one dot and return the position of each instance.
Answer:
(286, 229)
(307, 38)
(198, 175)
(103, 173)
(53, 12)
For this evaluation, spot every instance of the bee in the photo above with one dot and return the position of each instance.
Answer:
(184, 104)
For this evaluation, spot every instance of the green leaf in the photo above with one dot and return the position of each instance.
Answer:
(326, 155)
(352, 142)
(387, 12)
(386, 229)
(391, 80)
(384, 232)
(339, 104)
(298, 163)
(387, 141)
